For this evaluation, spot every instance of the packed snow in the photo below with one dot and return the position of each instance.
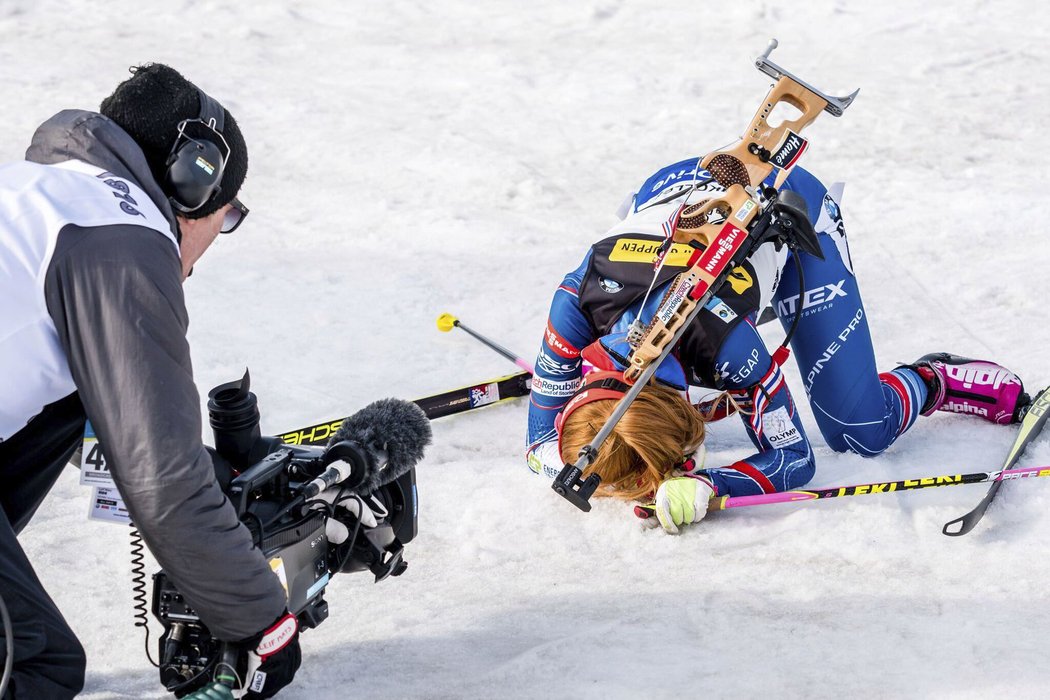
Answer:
(409, 159)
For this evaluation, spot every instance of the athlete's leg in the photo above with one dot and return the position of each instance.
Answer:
(856, 408)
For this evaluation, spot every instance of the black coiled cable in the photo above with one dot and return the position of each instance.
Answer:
(801, 296)
(138, 586)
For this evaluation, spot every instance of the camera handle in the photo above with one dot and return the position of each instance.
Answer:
(264, 471)
(344, 461)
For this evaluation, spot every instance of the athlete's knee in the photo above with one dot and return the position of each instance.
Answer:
(835, 441)
(866, 443)
(801, 471)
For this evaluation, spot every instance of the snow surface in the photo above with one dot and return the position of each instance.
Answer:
(412, 158)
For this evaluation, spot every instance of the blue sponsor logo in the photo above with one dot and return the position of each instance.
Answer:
(318, 586)
(832, 208)
(555, 366)
(672, 179)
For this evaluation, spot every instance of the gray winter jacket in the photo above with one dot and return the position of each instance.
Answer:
(115, 296)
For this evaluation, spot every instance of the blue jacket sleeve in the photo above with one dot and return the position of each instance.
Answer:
(557, 369)
(784, 460)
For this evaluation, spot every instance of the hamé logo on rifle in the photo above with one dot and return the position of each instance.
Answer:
(789, 150)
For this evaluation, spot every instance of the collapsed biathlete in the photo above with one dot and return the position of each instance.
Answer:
(656, 452)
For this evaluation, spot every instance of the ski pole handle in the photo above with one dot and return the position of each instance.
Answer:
(446, 322)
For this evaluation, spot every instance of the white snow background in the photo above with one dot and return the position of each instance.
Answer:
(412, 158)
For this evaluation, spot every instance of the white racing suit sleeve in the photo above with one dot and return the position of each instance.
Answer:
(544, 459)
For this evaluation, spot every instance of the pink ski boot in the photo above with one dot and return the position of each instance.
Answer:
(980, 388)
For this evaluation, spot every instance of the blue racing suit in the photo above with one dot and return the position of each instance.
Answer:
(855, 407)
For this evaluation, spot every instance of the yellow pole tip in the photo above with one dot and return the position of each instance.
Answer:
(446, 322)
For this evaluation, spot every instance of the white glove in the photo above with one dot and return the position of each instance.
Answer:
(682, 500)
(338, 533)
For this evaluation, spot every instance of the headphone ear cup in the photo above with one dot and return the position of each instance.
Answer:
(193, 174)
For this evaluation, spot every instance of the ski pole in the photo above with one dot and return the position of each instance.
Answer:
(1031, 425)
(446, 322)
(727, 502)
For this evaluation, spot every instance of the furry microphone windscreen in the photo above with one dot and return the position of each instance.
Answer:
(394, 428)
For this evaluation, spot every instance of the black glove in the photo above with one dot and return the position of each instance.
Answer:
(273, 656)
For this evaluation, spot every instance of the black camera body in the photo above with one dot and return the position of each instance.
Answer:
(305, 541)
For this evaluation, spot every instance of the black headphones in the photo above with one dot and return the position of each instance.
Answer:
(197, 159)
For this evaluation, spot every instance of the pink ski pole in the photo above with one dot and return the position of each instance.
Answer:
(799, 495)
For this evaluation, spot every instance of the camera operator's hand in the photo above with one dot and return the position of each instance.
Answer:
(273, 656)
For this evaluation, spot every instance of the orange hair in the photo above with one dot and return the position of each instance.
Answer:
(656, 432)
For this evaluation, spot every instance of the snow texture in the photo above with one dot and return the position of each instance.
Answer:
(413, 158)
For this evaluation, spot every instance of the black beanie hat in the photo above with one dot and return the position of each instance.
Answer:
(149, 106)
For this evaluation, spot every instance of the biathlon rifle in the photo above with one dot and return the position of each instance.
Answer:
(723, 231)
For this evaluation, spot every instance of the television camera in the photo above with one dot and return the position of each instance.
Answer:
(313, 511)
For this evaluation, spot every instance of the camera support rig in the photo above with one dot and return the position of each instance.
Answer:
(724, 231)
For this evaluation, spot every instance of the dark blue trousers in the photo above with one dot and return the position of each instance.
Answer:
(49, 660)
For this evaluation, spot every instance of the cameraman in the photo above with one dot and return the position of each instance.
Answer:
(99, 227)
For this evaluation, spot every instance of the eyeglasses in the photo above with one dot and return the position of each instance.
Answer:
(234, 216)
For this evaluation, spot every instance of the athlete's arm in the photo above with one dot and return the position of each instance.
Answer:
(784, 459)
(557, 371)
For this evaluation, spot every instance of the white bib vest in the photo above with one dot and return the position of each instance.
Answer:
(36, 203)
